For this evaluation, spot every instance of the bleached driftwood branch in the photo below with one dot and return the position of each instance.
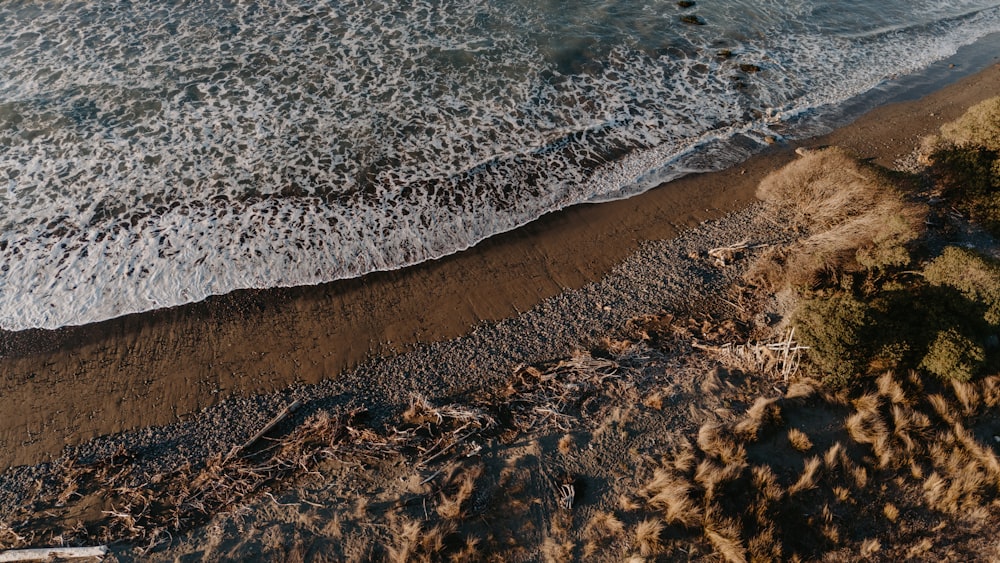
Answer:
(725, 255)
(41, 554)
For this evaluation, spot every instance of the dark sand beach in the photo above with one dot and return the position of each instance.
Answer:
(64, 387)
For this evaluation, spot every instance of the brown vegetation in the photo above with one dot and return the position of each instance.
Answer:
(855, 220)
(964, 161)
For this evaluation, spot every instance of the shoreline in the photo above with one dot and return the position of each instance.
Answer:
(67, 386)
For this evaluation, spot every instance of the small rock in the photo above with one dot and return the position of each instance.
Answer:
(685, 3)
(693, 20)
(749, 68)
(724, 54)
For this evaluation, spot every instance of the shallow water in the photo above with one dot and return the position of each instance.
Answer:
(155, 153)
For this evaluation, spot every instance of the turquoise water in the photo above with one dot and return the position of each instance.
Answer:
(155, 153)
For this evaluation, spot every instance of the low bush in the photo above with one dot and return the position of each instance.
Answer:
(965, 163)
(857, 220)
(825, 188)
(974, 275)
(952, 355)
(838, 331)
(980, 125)
(939, 329)
(969, 176)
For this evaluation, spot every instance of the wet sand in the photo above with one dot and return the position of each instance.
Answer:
(66, 386)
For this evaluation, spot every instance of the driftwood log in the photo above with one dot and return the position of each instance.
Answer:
(41, 554)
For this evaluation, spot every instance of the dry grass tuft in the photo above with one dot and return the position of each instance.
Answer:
(890, 511)
(834, 456)
(468, 552)
(452, 507)
(799, 440)
(555, 551)
(682, 511)
(841, 494)
(868, 427)
(922, 547)
(870, 547)
(627, 503)
(800, 390)
(604, 525)
(711, 475)
(989, 388)
(648, 537)
(724, 535)
(807, 480)
(765, 546)
(823, 188)
(765, 412)
(935, 489)
(683, 458)
(907, 424)
(602, 528)
(714, 441)
(404, 543)
(984, 456)
(968, 395)
(671, 493)
(891, 389)
(943, 408)
(858, 218)
(766, 483)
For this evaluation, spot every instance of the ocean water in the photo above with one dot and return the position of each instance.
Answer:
(153, 153)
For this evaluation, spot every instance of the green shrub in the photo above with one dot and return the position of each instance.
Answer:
(935, 328)
(838, 332)
(887, 248)
(952, 355)
(969, 176)
(980, 125)
(974, 275)
(965, 163)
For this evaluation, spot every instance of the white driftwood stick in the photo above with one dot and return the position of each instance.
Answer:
(44, 553)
